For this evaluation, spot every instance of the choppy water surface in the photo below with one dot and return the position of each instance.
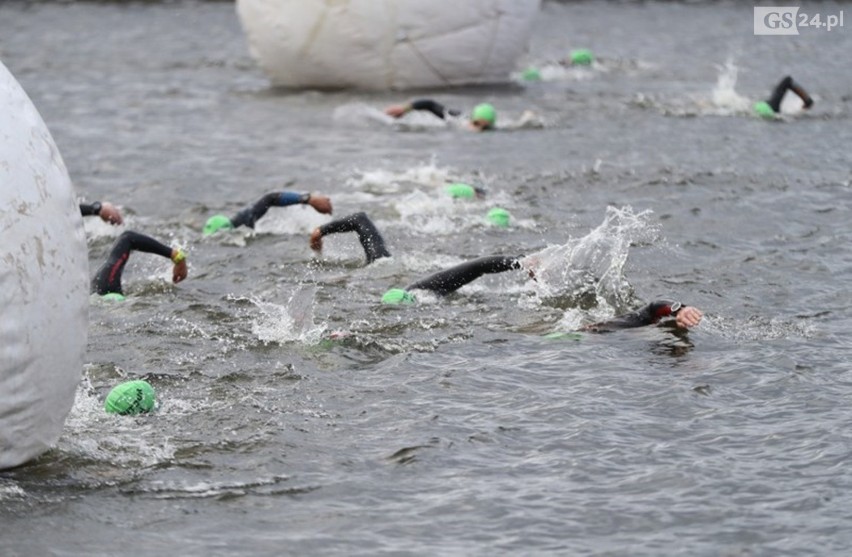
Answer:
(298, 415)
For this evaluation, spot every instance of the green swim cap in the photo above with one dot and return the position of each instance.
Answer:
(582, 57)
(216, 223)
(129, 398)
(459, 190)
(113, 297)
(763, 109)
(485, 112)
(499, 217)
(397, 296)
(531, 74)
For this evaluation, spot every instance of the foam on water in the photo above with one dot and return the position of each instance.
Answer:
(593, 265)
(289, 322)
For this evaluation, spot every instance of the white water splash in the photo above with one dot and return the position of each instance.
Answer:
(594, 264)
(725, 98)
(293, 322)
(390, 181)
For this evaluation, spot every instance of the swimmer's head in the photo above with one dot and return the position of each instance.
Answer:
(216, 223)
(531, 74)
(129, 398)
(459, 190)
(398, 296)
(762, 109)
(483, 116)
(499, 217)
(113, 297)
(582, 57)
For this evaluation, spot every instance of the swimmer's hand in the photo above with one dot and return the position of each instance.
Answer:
(688, 316)
(179, 272)
(398, 110)
(321, 203)
(316, 240)
(110, 214)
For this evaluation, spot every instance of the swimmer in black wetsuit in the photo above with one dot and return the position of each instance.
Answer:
(108, 278)
(369, 236)
(685, 316)
(442, 282)
(449, 280)
(772, 105)
(250, 215)
(483, 117)
(107, 211)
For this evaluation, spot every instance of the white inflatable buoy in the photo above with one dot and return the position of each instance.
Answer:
(44, 271)
(387, 44)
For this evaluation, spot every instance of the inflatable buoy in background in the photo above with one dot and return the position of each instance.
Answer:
(44, 283)
(387, 44)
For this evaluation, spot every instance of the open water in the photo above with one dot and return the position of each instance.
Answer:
(297, 415)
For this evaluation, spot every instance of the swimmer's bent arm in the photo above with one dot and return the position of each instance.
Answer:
(250, 215)
(787, 84)
(108, 277)
(450, 280)
(107, 211)
(369, 236)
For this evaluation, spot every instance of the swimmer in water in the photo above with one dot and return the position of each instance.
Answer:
(483, 117)
(108, 278)
(772, 106)
(107, 211)
(250, 215)
(450, 280)
(651, 314)
(369, 236)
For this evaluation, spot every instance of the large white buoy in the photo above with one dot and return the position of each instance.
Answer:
(43, 282)
(387, 44)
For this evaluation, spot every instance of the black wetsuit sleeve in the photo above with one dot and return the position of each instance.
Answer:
(90, 209)
(369, 236)
(647, 315)
(250, 215)
(108, 277)
(787, 84)
(430, 106)
(450, 280)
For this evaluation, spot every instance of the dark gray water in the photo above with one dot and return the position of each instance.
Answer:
(454, 427)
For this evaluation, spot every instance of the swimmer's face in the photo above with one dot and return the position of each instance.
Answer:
(480, 124)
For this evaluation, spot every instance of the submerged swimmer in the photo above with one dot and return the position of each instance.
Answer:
(107, 211)
(651, 314)
(772, 106)
(578, 57)
(250, 215)
(483, 116)
(450, 280)
(107, 280)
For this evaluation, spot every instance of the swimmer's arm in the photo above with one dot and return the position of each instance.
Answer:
(346, 224)
(179, 271)
(321, 203)
(685, 316)
(107, 211)
(688, 316)
(428, 105)
(450, 280)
